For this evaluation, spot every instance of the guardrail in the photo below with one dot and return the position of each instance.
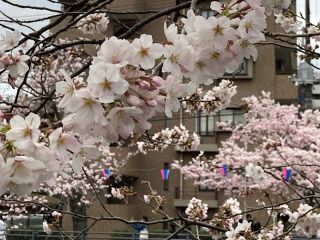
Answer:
(40, 235)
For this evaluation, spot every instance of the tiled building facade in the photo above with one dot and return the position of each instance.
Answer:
(268, 73)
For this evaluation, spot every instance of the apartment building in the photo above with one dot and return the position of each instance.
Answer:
(269, 72)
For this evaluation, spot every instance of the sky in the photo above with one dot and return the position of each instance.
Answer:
(23, 14)
(27, 14)
(314, 18)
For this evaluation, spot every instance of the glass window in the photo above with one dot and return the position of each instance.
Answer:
(203, 187)
(226, 116)
(207, 123)
(238, 116)
(284, 60)
(243, 70)
(207, 13)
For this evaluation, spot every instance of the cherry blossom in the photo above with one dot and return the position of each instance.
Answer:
(94, 23)
(24, 132)
(125, 88)
(105, 81)
(61, 143)
(46, 227)
(196, 209)
(10, 40)
(145, 52)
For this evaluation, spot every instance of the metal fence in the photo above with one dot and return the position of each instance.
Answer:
(40, 235)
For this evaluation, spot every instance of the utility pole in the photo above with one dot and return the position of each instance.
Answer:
(305, 89)
(307, 20)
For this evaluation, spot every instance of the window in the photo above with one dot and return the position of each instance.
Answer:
(166, 182)
(122, 23)
(122, 27)
(283, 60)
(206, 13)
(118, 182)
(168, 122)
(202, 187)
(207, 123)
(245, 70)
(165, 225)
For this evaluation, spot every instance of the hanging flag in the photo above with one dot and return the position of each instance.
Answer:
(224, 169)
(165, 174)
(287, 173)
(106, 172)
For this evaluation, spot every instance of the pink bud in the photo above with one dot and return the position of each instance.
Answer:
(161, 100)
(133, 100)
(144, 85)
(152, 102)
(157, 81)
(68, 123)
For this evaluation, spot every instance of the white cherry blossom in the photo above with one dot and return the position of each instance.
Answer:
(24, 132)
(115, 51)
(145, 52)
(179, 58)
(122, 120)
(24, 173)
(9, 40)
(61, 142)
(106, 82)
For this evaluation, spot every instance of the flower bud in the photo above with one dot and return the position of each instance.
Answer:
(161, 100)
(144, 85)
(152, 102)
(157, 81)
(133, 100)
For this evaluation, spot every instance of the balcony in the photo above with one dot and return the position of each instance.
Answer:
(208, 197)
(316, 89)
(202, 147)
(316, 103)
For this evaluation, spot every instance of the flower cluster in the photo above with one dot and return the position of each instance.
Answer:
(177, 136)
(276, 231)
(241, 232)
(122, 193)
(14, 62)
(228, 214)
(305, 219)
(94, 23)
(256, 173)
(275, 6)
(124, 90)
(116, 193)
(289, 24)
(197, 210)
(273, 137)
(211, 101)
(34, 154)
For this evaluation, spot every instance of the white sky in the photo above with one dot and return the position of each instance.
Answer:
(314, 17)
(23, 14)
(26, 14)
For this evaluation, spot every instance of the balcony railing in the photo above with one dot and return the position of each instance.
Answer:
(183, 197)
